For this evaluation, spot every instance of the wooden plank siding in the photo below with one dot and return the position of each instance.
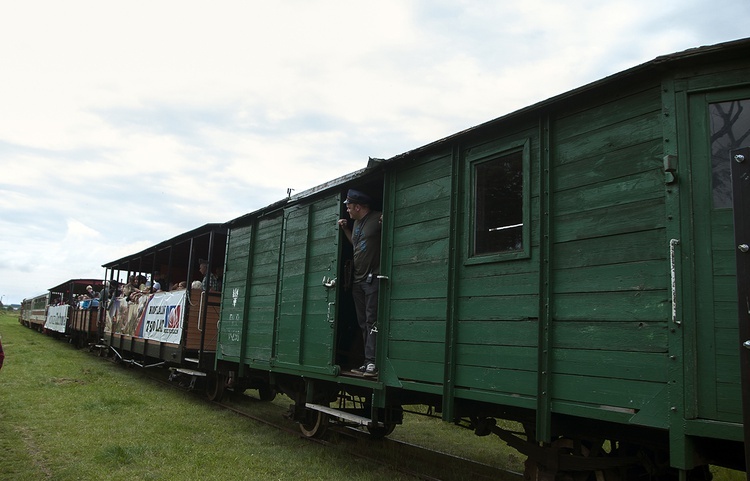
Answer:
(197, 326)
(262, 283)
(726, 369)
(608, 263)
(234, 292)
(304, 336)
(322, 251)
(497, 302)
(291, 285)
(84, 321)
(609, 254)
(418, 284)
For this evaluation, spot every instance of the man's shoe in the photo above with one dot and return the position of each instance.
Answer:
(371, 371)
(360, 370)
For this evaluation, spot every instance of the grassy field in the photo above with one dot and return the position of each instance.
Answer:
(67, 415)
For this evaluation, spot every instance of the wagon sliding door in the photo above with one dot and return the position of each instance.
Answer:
(305, 331)
(718, 122)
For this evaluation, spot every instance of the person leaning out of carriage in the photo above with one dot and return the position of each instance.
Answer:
(364, 234)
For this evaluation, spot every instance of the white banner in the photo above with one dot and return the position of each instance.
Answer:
(156, 316)
(162, 319)
(57, 318)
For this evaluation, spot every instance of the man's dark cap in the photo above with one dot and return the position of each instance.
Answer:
(357, 197)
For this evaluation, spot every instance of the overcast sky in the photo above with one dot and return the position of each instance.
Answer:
(123, 124)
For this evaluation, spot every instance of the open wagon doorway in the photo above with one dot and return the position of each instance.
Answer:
(350, 339)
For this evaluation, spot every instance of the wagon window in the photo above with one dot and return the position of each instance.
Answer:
(730, 129)
(498, 202)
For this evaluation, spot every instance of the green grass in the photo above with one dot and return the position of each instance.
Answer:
(67, 415)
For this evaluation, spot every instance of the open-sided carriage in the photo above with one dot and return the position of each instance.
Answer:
(175, 325)
(74, 310)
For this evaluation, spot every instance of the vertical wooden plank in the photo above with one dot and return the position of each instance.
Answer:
(543, 395)
(245, 286)
(319, 326)
(674, 101)
(454, 257)
(291, 293)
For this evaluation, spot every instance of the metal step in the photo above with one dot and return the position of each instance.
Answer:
(190, 372)
(361, 420)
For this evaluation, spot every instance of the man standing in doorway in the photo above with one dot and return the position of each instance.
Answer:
(364, 235)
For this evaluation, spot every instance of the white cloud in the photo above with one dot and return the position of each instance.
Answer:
(127, 123)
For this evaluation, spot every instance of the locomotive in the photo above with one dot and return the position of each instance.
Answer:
(578, 266)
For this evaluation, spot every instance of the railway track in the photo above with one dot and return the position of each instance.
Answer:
(411, 459)
(407, 458)
(428, 464)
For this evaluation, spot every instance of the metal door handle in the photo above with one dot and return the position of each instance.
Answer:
(673, 275)
(746, 344)
(743, 247)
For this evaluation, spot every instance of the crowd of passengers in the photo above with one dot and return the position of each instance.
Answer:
(87, 300)
(138, 285)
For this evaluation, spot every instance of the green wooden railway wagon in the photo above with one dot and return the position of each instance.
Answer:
(572, 266)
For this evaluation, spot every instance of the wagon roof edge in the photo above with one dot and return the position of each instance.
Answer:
(220, 227)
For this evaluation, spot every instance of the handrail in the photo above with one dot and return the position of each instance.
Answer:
(200, 311)
(673, 275)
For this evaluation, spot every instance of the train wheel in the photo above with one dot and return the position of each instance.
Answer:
(379, 432)
(570, 446)
(215, 387)
(315, 424)
(534, 472)
(266, 393)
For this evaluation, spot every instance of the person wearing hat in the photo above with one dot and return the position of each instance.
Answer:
(364, 234)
